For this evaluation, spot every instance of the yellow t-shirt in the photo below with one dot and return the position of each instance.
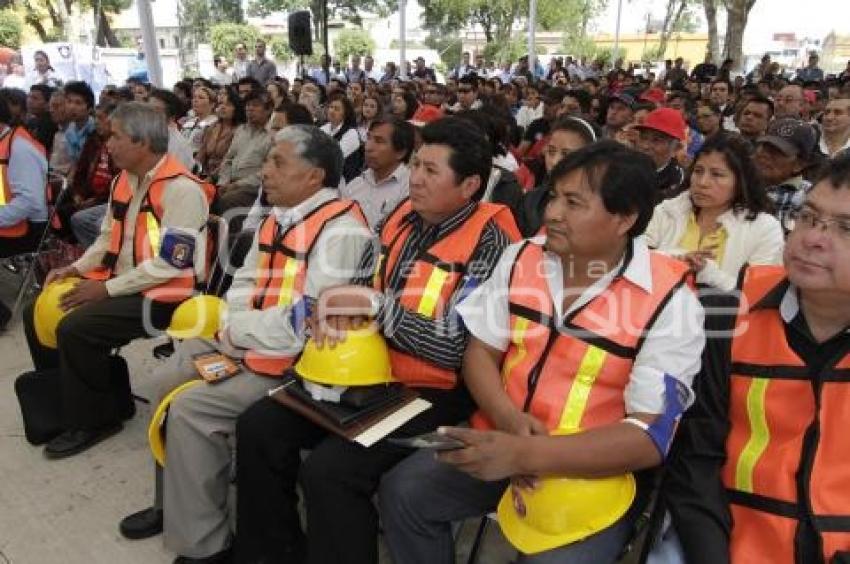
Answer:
(692, 240)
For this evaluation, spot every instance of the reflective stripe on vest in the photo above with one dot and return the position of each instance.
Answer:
(574, 377)
(787, 435)
(284, 286)
(432, 278)
(147, 236)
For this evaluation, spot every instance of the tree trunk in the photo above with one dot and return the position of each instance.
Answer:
(105, 36)
(736, 22)
(713, 38)
(675, 8)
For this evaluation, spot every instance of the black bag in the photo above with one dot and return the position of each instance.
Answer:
(40, 398)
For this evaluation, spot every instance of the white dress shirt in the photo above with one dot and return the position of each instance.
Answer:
(377, 199)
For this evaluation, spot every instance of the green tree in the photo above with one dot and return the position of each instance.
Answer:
(278, 46)
(352, 42)
(348, 10)
(510, 51)
(225, 36)
(449, 48)
(11, 28)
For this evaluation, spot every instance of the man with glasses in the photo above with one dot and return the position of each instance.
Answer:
(781, 156)
(431, 108)
(467, 95)
(789, 102)
(760, 455)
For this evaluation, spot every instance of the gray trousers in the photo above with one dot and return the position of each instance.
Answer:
(86, 224)
(421, 496)
(201, 422)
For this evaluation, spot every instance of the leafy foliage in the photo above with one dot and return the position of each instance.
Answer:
(11, 29)
(225, 36)
(352, 42)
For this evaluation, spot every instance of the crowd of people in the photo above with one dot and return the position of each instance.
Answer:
(605, 274)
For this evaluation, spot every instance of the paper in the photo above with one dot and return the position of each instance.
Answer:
(380, 430)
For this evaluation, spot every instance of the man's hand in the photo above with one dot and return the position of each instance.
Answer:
(697, 259)
(58, 274)
(337, 310)
(488, 455)
(86, 291)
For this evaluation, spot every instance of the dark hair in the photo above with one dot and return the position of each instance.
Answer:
(725, 81)
(378, 101)
(714, 108)
(837, 170)
(185, 86)
(82, 90)
(253, 82)
(581, 126)
(14, 97)
(173, 105)
(106, 106)
(403, 137)
(470, 150)
(470, 80)
(43, 54)
(623, 178)
(124, 94)
(583, 98)
(256, 97)
(496, 137)
(750, 195)
(238, 105)
(296, 114)
(349, 117)
(46, 91)
(759, 99)
(411, 104)
(5, 111)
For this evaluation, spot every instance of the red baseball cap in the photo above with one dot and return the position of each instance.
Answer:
(655, 95)
(667, 121)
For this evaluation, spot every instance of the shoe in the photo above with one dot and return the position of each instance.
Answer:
(70, 443)
(142, 524)
(223, 557)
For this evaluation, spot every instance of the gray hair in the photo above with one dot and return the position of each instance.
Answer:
(143, 123)
(317, 148)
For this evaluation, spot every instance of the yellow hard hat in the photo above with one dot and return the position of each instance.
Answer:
(47, 314)
(561, 511)
(362, 359)
(199, 316)
(156, 432)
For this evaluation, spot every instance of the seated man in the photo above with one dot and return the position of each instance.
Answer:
(264, 328)
(134, 277)
(239, 176)
(761, 458)
(23, 178)
(584, 333)
(441, 224)
(660, 136)
(384, 184)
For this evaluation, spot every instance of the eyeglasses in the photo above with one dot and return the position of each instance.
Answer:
(806, 219)
(464, 90)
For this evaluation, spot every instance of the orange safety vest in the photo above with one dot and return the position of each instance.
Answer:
(146, 231)
(432, 278)
(6, 196)
(282, 270)
(575, 378)
(788, 436)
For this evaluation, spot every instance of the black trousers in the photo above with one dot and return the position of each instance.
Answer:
(338, 480)
(85, 338)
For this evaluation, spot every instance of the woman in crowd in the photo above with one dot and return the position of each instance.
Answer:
(203, 109)
(723, 220)
(342, 124)
(311, 98)
(532, 109)
(276, 93)
(568, 134)
(404, 104)
(372, 110)
(44, 73)
(217, 138)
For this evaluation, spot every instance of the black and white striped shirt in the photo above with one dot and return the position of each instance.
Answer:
(439, 341)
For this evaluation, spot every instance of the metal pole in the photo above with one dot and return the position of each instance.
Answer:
(151, 48)
(616, 52)
(325, 28)
(402, 39)
(532, 25)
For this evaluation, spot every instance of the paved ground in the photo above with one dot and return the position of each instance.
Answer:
(67, 511)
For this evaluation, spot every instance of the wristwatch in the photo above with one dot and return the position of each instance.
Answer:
(376, 301)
